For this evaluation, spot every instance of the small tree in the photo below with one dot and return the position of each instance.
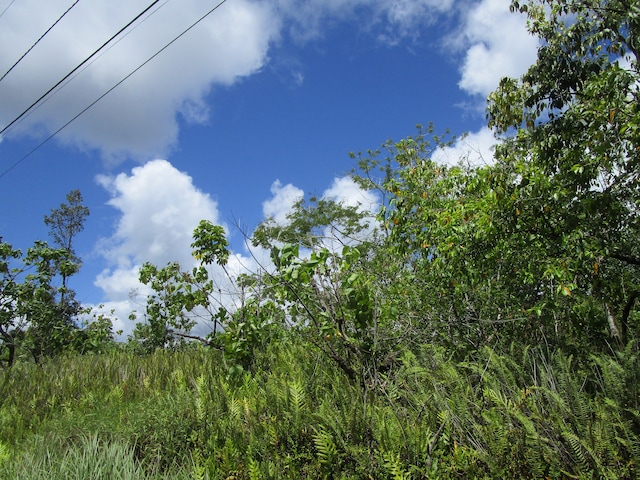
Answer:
(179, 297)
(31, 315)
(35, 313)
(327, 281)
(10, 294)
(64, 223)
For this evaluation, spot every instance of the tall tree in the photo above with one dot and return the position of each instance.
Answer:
(570, 168)
(64, 223)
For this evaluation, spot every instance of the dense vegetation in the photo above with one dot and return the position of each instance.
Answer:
(482, 324)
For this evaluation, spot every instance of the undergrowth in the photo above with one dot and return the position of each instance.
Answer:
(517, 414)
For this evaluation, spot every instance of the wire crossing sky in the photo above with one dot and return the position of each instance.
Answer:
(38, 41)
(6, 8)
(124, 79)
(59, 82)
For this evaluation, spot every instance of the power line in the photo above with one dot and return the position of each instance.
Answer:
(87, 65)
(46, 140)
(6, 8)
(77, 67)
(37, 41)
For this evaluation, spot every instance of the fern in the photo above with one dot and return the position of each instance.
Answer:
(297, 401)
(253, 469)
(394, 467)
(235, 409)
(325, 446)
(579, 456)
(199, 471)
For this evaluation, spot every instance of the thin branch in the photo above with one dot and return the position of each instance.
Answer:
(631, 260)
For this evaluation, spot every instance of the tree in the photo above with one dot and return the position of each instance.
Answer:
(543, 245)
(439, 268)
(569, 172)
(179, 297)
(49, 322)
(326, 282)
(35, 313)
(31, 315)
(9, 296)
(64, 223)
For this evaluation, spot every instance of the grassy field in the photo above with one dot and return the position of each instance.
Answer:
(294, 415)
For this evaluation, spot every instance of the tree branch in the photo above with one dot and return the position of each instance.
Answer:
(205, 341)
(631, 260)
(625, 313)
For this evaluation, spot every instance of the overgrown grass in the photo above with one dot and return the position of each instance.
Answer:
(179, 415)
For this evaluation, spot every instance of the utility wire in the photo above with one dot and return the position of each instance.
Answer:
(37, 41)
(78, 67)
(95, 59)
(24, 157)
(6, 8)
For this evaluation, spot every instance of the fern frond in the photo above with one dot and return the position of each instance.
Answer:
(394, 467)
(579, 456)
(297, 398)
(325, 446)
(254, 470)
(235, 409)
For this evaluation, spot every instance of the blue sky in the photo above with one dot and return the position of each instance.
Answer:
(256, 105)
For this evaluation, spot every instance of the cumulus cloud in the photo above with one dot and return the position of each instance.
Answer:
(497, 44)
(159, 208)
(283, 200)
(139, 117)
(475, 149)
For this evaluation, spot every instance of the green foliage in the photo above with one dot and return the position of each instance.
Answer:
(570, 171)
(251, 327)
(518, 414)
(210, 244)
(91, 458)
(67, 221)
(37, 315)
(176, 295)
(95, 334)
(311, 224)
(542, 245)
(467, 333)
(181, 297)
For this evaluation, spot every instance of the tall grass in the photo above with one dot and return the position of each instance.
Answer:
(295, 415)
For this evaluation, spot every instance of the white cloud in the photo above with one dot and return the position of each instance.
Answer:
(344, 190)
(475, 149)
(139, 118)
(308, 19)
(159, 208)
(497, 45)
(284, 197)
